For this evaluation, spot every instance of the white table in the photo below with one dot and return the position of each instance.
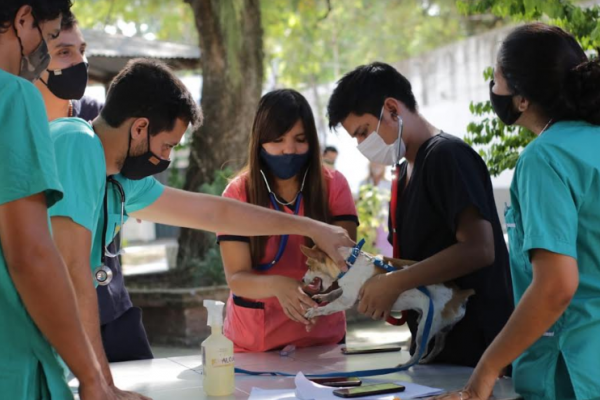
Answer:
(180, 378)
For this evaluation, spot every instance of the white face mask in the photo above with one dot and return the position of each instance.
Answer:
(376, 150)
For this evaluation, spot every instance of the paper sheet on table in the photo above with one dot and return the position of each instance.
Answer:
(307, 390)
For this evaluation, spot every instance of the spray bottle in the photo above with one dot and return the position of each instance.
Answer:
(217, 354)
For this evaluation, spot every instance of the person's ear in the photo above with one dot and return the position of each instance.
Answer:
(313, 253)
(393, 107)
(23, 19)
(139, 129)
(521, 103)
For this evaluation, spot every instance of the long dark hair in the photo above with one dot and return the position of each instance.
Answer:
(278, 111)
(547, 66)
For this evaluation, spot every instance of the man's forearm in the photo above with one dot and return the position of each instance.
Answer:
(534, 315)
(54, 309)
(219, 214)
(457, 260)
(42, 281)
(90, 318)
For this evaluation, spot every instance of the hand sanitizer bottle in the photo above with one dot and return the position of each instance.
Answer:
(217, 354)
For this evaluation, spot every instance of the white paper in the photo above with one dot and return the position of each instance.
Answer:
(272, 394)
(307, 390)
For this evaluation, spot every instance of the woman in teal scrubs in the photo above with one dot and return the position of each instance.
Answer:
(37, 303)
(544, 82)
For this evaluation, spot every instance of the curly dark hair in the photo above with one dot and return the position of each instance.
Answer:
(547, 66)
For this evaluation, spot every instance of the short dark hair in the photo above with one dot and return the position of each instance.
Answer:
(330, 149)
(547, 66)
(364, 90)
(149, 89)
(43, 10)
(68, 21)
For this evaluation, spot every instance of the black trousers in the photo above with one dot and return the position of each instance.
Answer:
(125, 339)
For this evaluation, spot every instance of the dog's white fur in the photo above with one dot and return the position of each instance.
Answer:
(449, 303)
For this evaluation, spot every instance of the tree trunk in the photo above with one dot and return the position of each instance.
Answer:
(231, 45)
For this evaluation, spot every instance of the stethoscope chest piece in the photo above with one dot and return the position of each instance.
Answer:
(103, 275)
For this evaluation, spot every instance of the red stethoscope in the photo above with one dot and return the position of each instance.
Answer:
(393, 205)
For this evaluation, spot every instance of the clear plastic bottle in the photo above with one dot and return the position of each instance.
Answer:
(217, 354)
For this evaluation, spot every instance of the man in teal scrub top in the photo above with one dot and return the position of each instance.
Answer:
(38, 309)
(146, 113)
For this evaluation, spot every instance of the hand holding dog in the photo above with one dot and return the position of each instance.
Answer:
(378, 295)
(330, 239)
(293, 300)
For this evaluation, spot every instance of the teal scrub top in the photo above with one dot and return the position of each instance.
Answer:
(82, 170)
(555, 195)
(139, 194)
(29, 366)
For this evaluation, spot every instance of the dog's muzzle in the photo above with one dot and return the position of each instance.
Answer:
(315, 287)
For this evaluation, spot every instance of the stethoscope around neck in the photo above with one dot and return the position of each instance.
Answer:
(274, 201)
(103, 274)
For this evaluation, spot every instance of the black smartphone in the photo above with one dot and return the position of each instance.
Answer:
(338, 382)
(370, 349)
(369, 390)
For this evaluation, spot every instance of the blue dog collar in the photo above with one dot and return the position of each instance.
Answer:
(378, 262)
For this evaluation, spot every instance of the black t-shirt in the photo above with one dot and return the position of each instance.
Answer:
(86, 108)
(448, 176)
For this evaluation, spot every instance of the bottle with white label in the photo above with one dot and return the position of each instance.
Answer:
(217, 354)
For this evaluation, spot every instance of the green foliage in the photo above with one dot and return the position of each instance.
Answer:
(306, 42)
(500, 145)
(166, 20)
(370, 202)
(209, 270)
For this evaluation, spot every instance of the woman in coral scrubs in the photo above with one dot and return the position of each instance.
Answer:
(266, 308)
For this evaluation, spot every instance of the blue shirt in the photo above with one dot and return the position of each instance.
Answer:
(555, 197)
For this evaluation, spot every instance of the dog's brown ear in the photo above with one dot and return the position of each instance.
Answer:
(313, 253)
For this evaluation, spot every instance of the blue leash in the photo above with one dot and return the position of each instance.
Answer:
(370, 372)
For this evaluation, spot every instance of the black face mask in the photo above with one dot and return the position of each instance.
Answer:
(147, 164)
(68, 83)
(503, 106)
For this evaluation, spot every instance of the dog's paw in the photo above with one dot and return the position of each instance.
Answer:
(311, 313)
(320, 298)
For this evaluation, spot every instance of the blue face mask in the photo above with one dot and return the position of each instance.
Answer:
(285, 166)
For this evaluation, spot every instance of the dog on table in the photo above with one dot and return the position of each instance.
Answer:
(340, 292)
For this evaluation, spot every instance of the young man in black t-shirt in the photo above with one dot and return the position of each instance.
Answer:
(442, 212)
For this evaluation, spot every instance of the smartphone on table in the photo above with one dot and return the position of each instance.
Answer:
(370, 349)
(338, 382)
(369, 390)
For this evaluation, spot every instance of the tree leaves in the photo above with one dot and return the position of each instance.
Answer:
(498, 144)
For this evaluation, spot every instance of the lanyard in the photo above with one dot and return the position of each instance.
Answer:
(104, 274)
(369, 372)
(393, 210)
(395, 242)
(284, 238)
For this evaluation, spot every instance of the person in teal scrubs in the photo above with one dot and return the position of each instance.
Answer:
(38, 310)
(544, 82)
